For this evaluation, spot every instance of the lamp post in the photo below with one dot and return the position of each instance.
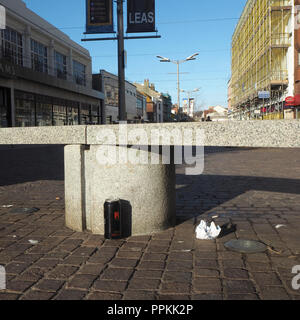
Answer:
(189, 95)
(178, 62)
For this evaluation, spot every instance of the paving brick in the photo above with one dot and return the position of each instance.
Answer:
(18, 285)
(121, 274)
(37, 295)
(139, 295)
(239, 286)
(81, 281)
(174, 288)
(208, 273)
(236, 273)
(249, 296)
(155, 257)
(148, 274)
(173, 297)
(151, 265)
(110, 285)
(8, 296)
(207, 296)
(104, 296)
(143, 284)
(49, 285)
(274, 293)
(183, 265)
(206, 263)
(266, 279)
(70, 294)
(62, 272)
(123, 263)
(205, 285)
(94, 269)
(177, 276)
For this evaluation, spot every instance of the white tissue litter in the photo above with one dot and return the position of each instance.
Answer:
(206, 232)
(33, 241)
(280, 226)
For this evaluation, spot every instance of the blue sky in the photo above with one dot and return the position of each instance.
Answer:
(186, 27)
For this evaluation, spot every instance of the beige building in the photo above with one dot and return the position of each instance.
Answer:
(45, 77)
(109, 84)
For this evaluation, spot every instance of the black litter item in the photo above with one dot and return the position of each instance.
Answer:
(24, 210)
(245, 246)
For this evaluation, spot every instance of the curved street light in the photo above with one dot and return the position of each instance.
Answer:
(178, 62)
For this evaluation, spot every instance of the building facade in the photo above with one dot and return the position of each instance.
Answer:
(155, 106)
(109, 84)
(45, 77)
(265, 61)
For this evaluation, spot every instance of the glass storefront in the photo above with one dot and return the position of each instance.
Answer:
(37, 110)
(43, 111)
(73, 115)
(59, 112)
(95, 117)
(85, 113)
(5, 115)
(25, 109)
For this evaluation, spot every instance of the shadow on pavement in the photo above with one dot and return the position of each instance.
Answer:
(31, 163)
(206, 192)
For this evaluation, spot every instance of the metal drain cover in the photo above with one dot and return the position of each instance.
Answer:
(24, 210)
(245, 246)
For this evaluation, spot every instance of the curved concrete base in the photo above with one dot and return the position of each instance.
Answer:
(149, 189)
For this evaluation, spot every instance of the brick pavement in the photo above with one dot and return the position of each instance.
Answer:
(253, 189)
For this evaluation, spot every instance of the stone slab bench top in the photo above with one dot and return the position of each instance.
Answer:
(272, 133)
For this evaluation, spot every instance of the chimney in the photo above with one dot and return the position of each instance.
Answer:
(146, 83)
(152, 86)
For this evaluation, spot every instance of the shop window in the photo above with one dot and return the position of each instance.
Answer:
(12, 46)
(5, 108)
(95, 116)
(85, 113)
(25, 109)
(59, 113)
(72, 116)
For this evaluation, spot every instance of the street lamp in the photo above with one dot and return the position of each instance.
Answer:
(189, 95)
(178, 62)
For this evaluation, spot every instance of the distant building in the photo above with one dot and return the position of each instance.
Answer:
(265, 81)
(141, 105)
(217, 113)
(154, 101)
(45, 77)
(109, 84)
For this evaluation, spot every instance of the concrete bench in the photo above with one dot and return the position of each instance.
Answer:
(148, 188)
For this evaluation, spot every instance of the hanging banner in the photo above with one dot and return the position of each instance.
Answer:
(99, 16)
(140, 16)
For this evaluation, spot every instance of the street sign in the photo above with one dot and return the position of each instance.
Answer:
(140, 16)
(264, 94)
(99, 16)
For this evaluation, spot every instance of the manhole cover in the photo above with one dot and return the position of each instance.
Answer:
(245, 246)
(24, 210)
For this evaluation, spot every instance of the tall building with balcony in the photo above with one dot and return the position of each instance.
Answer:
(45, 77)
(265, 60)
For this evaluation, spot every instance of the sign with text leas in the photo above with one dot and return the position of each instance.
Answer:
(140, 16)
(99, 16)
